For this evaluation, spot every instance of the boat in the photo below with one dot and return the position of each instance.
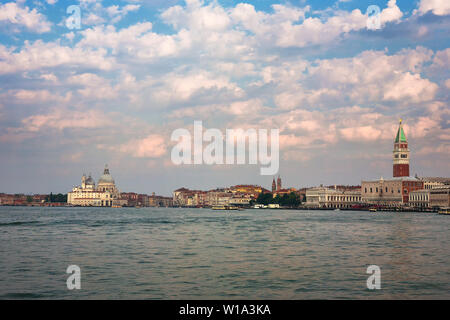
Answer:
(445, 210)
(337, 209)
(373, 209)
(225, 208)
(259, 206)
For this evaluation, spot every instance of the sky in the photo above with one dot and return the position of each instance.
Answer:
(114, 90)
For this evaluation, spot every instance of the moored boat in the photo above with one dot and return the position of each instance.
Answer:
(445, 210)
(225, 208)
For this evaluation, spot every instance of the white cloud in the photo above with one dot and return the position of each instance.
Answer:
(152, 146)
(438, 7)
(15, 15)
(61, 119)
(39, 55)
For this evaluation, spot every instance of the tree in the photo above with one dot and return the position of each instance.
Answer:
(265, 198)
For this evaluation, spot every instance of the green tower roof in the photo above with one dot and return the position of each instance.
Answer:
(401, 137)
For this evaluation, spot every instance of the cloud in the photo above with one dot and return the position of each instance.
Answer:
(61, 119)
(369, 77)
(14, 15)
(40, 56)
(437, 7)
(410, 87)
(152, 146)
(97, 14)
(288, 27)
(93, 86)
(35, 96)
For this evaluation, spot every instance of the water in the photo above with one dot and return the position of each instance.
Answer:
(174, 253)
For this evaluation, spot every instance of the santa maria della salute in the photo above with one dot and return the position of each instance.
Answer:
(104, 195)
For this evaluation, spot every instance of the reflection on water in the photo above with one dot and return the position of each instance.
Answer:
(158, 253)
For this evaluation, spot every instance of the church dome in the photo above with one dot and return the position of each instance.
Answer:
(106, 178)
(90, 181)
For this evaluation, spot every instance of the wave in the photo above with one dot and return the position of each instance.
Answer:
(17, 223)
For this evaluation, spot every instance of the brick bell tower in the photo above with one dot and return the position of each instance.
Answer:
(401, 154)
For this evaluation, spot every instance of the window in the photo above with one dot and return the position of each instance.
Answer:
(371, 190)
(365, 190)
(404, 156)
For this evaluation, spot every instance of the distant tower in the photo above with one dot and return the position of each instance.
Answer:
(274, 185)
(278, 183)
(401, 154)
(83, 181)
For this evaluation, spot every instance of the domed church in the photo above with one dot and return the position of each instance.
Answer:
(104, 195)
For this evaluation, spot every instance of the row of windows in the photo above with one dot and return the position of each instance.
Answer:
(376, 190)
(343, 198)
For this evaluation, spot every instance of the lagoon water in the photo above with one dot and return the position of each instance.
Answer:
(178, 253)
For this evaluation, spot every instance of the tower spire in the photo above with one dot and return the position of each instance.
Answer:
(401, 153)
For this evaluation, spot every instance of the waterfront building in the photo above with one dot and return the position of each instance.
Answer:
(219, 197)
(434, 182)
(104, 195)
(236, 195)
(249, 189)
(419, 198)
(274, 185)
(131, 198)
(323, 197)
(159, 201)
(392, 193)
(190, 198)
(401, 154)
(440, 197)
(240, 199)
(279, 184)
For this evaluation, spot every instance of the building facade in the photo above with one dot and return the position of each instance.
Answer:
(419, 198)
(104, 195)
(392, 193)
(440, 197)
(323, 197)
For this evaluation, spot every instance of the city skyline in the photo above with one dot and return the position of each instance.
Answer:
(114, 90)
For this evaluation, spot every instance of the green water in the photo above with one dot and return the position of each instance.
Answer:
(175, 253)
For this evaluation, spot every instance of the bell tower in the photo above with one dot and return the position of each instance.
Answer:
(278, 183)
(401, 154)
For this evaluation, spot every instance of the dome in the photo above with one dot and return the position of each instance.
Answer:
(106, 178)
(90, 181)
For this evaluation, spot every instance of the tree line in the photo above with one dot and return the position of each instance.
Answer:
(286, 200)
